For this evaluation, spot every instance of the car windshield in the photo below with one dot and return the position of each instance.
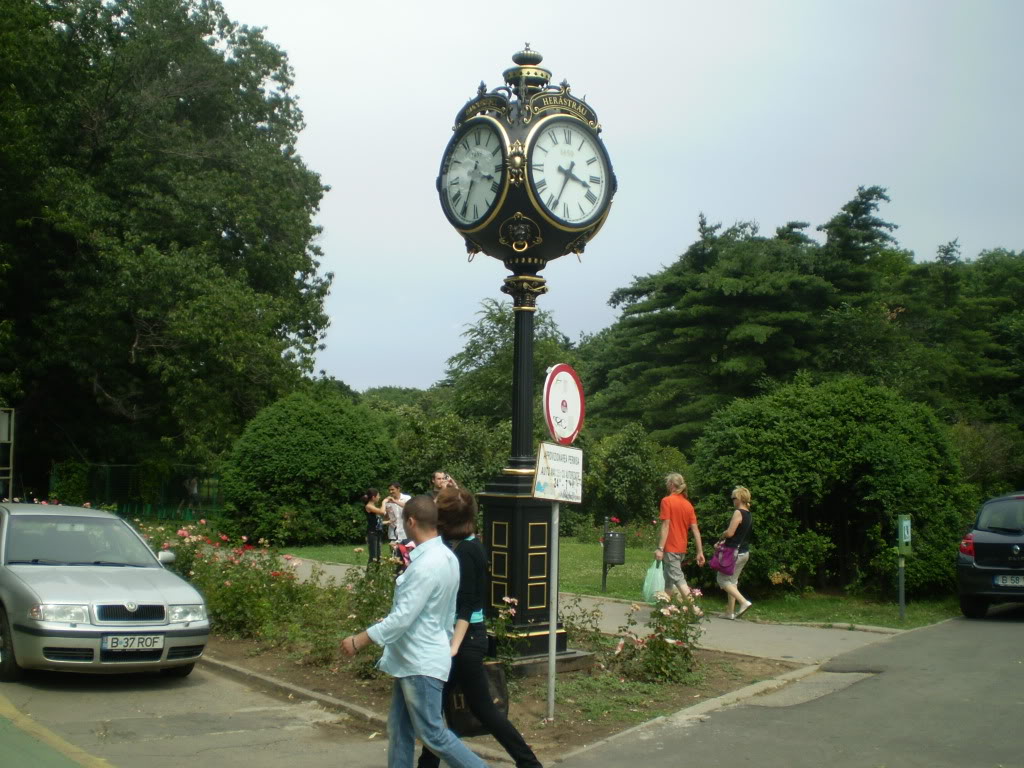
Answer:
(68, 540)
(1006, 516)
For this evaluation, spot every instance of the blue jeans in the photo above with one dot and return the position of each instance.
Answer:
(416, 712)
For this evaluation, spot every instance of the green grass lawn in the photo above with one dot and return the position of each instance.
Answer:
(580, 570)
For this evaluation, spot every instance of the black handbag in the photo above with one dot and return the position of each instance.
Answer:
(456, 711)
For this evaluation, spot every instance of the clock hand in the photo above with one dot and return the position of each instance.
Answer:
(572, 175)
(567, 175)
(472, 180)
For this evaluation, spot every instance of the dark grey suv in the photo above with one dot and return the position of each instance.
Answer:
(990, 566)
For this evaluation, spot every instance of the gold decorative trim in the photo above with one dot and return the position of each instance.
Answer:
(497, 602)
(535, 633)
(499, 571)
(543, 566)
(516, 163)
(524, 472)
(529, 535)
(519, 232)
(531, 591)
(496, 541)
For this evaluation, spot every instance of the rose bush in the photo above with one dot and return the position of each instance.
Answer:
(252, 591)
(666, 654)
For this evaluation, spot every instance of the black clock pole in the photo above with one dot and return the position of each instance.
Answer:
(516, 219)
(524, 290)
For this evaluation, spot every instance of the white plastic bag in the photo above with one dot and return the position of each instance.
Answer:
(654, 581)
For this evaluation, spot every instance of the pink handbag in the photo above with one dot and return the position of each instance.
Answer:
(724, 560)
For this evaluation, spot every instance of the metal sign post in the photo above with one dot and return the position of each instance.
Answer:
(559, 477)
(903, 549)
(6, 453)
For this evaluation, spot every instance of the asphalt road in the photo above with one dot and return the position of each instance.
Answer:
(946, 696)
(145, 721)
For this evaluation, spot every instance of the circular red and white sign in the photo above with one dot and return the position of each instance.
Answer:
(563, 403)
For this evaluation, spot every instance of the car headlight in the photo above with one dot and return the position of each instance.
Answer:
(187, 613)
(69, 614)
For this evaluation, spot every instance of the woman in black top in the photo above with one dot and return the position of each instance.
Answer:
(737, 535)
(456, 522)
(374, 530)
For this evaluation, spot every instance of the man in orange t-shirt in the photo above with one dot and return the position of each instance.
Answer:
(677, 519)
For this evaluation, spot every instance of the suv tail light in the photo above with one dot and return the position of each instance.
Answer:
(967, 545)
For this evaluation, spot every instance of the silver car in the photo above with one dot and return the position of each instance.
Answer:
(80, 590)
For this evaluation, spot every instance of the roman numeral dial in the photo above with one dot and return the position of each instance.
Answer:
(568, 171)
(473, 179)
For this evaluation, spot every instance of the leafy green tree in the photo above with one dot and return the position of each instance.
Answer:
(394, 396)
(625, 475)
(423, 441)
(734, 309)
(299, 462)
(856, 239)
(478, 381)
(830, 466)
(992, 456)
(161, 281)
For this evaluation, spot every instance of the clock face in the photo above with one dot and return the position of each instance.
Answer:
(569, 173)
(472, 176)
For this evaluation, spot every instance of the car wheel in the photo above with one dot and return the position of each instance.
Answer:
(9, 669)
(973, 607)
(183, 671)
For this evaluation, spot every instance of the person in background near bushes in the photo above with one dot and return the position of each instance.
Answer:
(394, 502)
(737, 535)
(374, 528)
(456, 522)
(439, 481)
(677, 518)
(417, 636)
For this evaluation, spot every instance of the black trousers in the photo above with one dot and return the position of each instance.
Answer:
(373, 545)
(468, 672)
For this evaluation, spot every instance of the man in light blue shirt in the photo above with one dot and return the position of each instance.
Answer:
(416, 636)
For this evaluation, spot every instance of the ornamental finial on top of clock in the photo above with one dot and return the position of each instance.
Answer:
(528, 77)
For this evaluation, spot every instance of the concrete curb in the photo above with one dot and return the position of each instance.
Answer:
(364, 715)
(367, 716)
(699, 712)
(688, 716)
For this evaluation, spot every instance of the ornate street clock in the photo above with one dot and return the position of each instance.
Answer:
(569, 173)
(473, 179)
(526, 178)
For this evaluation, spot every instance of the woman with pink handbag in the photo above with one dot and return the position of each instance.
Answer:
(736, 538)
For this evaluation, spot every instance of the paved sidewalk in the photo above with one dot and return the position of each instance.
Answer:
(811, 646)
(796, 643)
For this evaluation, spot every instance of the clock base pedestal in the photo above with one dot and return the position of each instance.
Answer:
(517, 538)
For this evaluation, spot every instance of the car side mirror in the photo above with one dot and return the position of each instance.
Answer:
(165, 556)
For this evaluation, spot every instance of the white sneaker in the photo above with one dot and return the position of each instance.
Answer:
(743, 610)
(729, 616)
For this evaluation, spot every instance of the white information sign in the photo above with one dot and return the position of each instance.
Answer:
(559, 474)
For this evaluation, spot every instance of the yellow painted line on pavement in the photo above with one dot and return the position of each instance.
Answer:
(49, 738)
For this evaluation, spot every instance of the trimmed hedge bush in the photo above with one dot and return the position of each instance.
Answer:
(830, 466)
(299, 463)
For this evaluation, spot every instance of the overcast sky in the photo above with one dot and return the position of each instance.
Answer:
(763, 111)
